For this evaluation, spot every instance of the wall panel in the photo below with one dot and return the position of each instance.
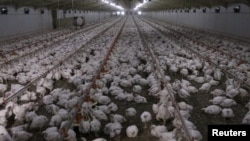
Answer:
(226, 22)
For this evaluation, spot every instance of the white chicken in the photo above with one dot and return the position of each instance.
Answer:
(146, 118)
(212, 109)
(132, 131)
(71, 135)
(157, 130)
(233, 92)
(183, 93)
(117, 118)
(163, 113)
(41, 90)
(3, 88)
(140, 99)
(113, 107)
(52, 134)
(99, 139)
(63, 113)
(137, 88)
(155, 108)
(84, 127)
(113, 129)
(130, 112)
(19, 112)
(185, 106)
(4, 135)
(195, 134)
(104, 108)
(28, 96)
(227, 113)
(30, 115)
(217, 100)
(55, 120)
(205, 87)
(217, 92)
(39, 122)
(246, 119)
(228, 103)
(100, 115)
(167, 136)
(48, 99)
(19, 128)
(104, 100)
(21, 136)
(95, 126)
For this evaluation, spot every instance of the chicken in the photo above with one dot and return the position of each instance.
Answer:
(84, 127)
(157, 130)
(217, 100)
(21, 136)
(212, 109)
(39, 122)
(227, 113)
(140, 99)
(146, 118)
(55, 120)
(132, 131)
(228, 103)
(130, 112)
(117, 118)
(113, 129)
(4, 135)
(163, 113)
(95, 126)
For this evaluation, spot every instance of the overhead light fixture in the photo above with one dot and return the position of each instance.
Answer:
(4, 10)
(113, 4)
(237, 9)
(140, 4)
(217, 9)
(26, 10)
(139, 12)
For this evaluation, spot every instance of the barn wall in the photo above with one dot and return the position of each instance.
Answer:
(17, 23)
(226, 22)
(65, 18)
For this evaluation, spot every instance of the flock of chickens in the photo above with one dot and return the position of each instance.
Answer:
(230, 55)
(127, 99)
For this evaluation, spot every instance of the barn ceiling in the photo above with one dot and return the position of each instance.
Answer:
(126, 4)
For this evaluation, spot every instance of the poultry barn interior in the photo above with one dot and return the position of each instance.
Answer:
(124, 70)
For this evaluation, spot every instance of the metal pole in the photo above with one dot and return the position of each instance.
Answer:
(58, 6)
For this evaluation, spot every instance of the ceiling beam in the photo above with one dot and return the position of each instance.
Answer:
(127, 4)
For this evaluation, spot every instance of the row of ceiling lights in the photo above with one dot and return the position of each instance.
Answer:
(217, 10)
(113, 4)
(142, 2)
(4, 10)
